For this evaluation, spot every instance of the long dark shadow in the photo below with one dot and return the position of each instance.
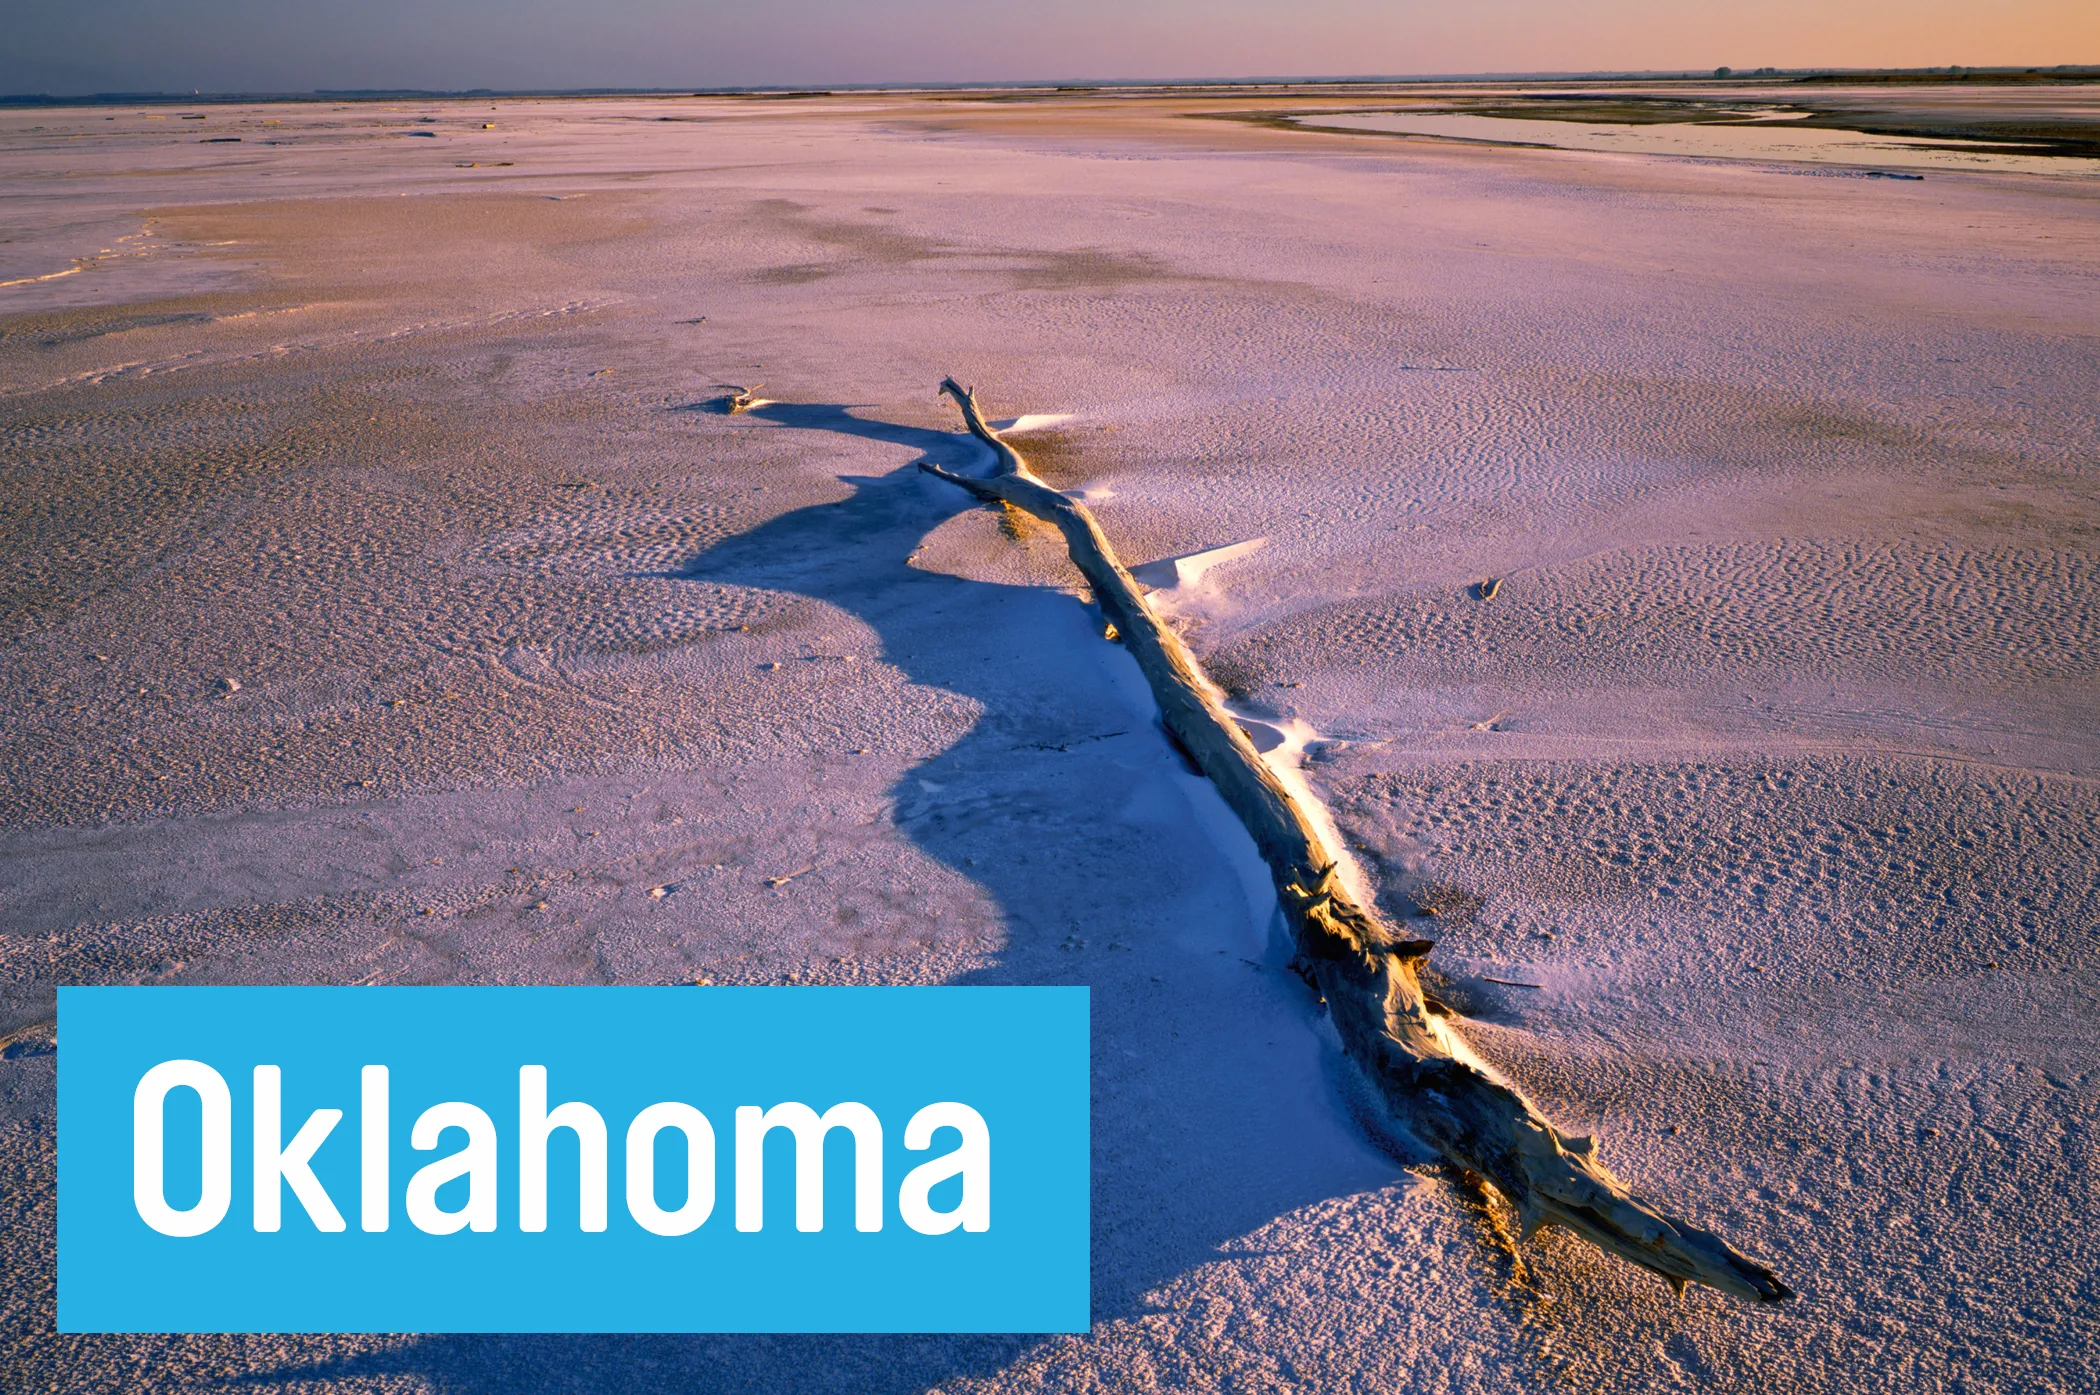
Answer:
(1194, 1142)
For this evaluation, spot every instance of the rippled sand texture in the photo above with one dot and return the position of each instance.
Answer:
(1680, 577)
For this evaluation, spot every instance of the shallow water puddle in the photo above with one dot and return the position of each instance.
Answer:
(1758, 140)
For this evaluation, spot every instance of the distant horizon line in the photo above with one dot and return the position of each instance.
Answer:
(1724, 74)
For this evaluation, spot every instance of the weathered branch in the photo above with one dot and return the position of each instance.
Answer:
(1365, 970)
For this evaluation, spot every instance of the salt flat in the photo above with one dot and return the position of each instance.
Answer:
(385, 601)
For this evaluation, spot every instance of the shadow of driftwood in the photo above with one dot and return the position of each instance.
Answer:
(1201, 1134)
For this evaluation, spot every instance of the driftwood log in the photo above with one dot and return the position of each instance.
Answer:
(1365, 970)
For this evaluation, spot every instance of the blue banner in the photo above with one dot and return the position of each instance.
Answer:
(572, 1160)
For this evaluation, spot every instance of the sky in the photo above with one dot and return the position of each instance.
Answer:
(67, 47)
